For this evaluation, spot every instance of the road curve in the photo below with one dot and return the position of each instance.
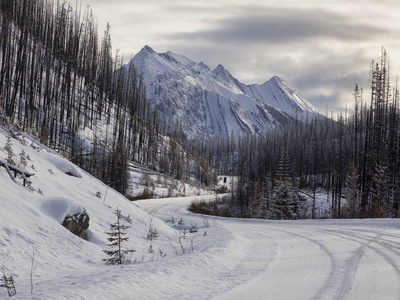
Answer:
(309, 259)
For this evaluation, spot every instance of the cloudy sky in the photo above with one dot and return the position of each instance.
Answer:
(321, 48)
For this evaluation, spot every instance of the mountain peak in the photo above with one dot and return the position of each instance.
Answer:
(204, 66)
(276, 78)
(147, 49)
(220, 69)
(224, 73)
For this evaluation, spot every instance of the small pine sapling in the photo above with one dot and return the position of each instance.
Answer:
(152, 233)
(10, 152)
(193, 228)
(117, 238)
(172, 220)
(162, 253)
(23, 159)
(206, 223)
(23, 141)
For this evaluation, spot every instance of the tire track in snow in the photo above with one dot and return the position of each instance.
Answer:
(243, 256)
(388, 244)
(333, 275)
(385, 245)
(350, 270)
(352, 263)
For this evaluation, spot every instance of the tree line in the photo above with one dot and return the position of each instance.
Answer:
(61, 82)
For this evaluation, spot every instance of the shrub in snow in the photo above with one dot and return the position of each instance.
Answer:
(184, 234)
(98, 194)
(9, 284)
(182, 245)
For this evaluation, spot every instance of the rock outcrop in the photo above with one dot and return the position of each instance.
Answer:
(77, 224)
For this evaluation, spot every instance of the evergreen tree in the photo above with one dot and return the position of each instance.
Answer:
(379, 193)
(352, 193)
(117, 238)
(286, 202)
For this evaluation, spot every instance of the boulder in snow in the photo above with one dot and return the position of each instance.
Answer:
(77, 224)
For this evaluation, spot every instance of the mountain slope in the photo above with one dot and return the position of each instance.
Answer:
(30, 221)
(209, 102)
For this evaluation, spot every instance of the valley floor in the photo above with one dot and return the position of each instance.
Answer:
(236, 259)
(257, 259)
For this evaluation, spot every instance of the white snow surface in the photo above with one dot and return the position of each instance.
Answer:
(224, 259)
(207, 102)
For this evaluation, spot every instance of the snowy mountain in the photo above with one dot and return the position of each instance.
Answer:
(210, 102)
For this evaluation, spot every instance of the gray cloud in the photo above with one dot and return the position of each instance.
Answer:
(321, 48)
(282, 26)
(320, 53)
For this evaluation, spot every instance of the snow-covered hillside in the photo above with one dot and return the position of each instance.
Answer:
(30, 223)
(210, 102)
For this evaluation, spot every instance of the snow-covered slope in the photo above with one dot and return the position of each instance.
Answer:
(30, 221)
(210, 102)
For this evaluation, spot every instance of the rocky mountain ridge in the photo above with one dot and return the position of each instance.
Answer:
(208, 103)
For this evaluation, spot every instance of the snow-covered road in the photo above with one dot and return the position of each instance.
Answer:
(259, 259)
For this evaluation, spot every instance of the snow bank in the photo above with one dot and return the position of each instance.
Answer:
(64, 165)
(59, 208)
